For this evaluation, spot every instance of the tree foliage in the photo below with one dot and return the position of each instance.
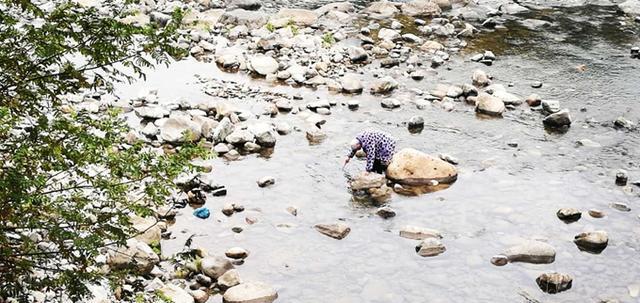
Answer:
(68, 178)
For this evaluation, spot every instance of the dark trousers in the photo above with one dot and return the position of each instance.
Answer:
(379, 167)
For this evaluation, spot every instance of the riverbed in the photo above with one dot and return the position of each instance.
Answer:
(513, 177)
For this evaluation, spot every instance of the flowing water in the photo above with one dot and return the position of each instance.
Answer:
(503, 194)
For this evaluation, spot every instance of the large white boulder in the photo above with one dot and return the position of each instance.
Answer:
(180, 129)
(135, 254)
(412, 167)
(250, 292)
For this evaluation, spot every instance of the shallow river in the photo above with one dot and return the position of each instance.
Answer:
(503, 194)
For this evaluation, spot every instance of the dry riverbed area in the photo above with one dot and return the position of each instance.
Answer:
(517, 178)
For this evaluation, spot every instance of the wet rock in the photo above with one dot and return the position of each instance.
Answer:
(386, 212)
(224, 129)
(238, 208)
(357, 54)
(489, 105)
(411, 38)
(229, 279)
(550, 106)
(266, 181)
(432, 46)
(370, 187)
(228, 209)
(237, 229)
(367, 180)
(436, 61)
(283, 128)
(593, 242)
(559, 119)
(622, 122)
(203, 280)
(176, 294)
(416, 122)
(412, 167)
(199, 296)
(152, 112)
(250, 292)
(300, 17)
(449, 158)
(250, 5)
(390, 103)
(569, 215)
(264, 134)
(134, 254)
(315, 136)
(596, 213)
(263, 65)
(336, 230)
(221, 148)
(250, 19)
(179, 129)
(417, 75)
(535, 252)
(380, 195)
(419, 233)
(382, 8)
(536, 84)
(284, 105)
(620, 206)
(622, 178)
(351, 84)
(237, 253)
(353, 104)
(499, 260)
(292, 210)
(389, 62)
(480, 78)
(239, 137)
(430, 247)
(148, 230)
(508, 98)
(422, 8)
(554, 282)
(214, 267)
(476, 57)
(389, 34)
(384, 86)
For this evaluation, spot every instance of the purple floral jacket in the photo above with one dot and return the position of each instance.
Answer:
(377, 145)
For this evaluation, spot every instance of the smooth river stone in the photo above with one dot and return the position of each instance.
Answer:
(419, 233)
(593, 241)
(250, 292)
(535, 252)
(336, 230)
(412, 167)
(554, 282)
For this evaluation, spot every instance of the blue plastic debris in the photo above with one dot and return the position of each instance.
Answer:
(201, 213)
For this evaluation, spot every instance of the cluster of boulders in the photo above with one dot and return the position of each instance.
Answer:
(370, 187)
(192, 277)
(410, 172)
(539, 252)
(227, 130)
